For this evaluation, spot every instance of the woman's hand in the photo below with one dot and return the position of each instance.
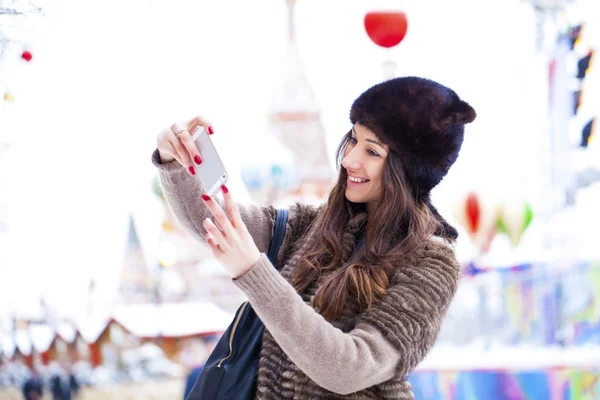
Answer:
(229, 239)
(182, 148)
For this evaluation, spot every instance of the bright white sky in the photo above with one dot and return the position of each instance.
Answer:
(108, 75)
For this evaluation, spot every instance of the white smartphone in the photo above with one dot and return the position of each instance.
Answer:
(211, 172)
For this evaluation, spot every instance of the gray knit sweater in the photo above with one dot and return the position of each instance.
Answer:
(364, 355)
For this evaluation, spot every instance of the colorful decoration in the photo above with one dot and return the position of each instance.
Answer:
(580, 309)
(473, 213)
(27, 56)
(515, 218)
(536, 384)
(583, 86)
(478, 216)
(482, 217)
(535, 308)
(468, 211)
(588, 133)
(386, 28)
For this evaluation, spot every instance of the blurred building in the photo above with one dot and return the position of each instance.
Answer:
(294, 120)
(135, 282)
(184, 269)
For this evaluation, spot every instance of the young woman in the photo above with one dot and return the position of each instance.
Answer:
(369, 275)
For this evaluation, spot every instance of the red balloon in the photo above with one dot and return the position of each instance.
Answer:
(473, 212)
(27, 56)
(386, 28)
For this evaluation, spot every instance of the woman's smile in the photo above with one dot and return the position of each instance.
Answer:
(355, 181)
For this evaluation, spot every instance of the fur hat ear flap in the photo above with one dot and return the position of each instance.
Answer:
(460, 113)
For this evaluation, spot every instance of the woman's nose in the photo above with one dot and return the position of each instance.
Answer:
(351, 162)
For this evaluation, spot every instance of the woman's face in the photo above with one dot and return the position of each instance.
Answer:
(364, 161)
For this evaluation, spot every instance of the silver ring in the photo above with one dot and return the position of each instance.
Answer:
(179, 133)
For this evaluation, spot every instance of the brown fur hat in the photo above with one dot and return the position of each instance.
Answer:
(419, 119)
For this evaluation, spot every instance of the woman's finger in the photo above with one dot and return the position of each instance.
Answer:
(173, 152)
(220, 217)
(215, 233)
(197, 121)
(185, 138)
(217, 251)
(232, 209)
(181, 150)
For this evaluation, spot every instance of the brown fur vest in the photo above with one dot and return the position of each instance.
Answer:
(409, 316)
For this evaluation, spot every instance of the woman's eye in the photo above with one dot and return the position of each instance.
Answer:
(373, 153)
(353, 140)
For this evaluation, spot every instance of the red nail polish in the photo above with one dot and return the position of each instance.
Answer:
(197, 160)
(224, 189)
(192, 170)
(205, 197)
(210, 130)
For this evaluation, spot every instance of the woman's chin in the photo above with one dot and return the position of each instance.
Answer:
(353, 198)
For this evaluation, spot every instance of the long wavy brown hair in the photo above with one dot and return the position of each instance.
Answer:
(397, 226)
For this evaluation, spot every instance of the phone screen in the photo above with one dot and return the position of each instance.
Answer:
(212, 171)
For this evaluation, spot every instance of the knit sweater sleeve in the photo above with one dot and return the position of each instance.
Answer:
(340, 362)
(183, 194)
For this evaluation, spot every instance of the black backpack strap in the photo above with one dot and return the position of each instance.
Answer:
(278, 234)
